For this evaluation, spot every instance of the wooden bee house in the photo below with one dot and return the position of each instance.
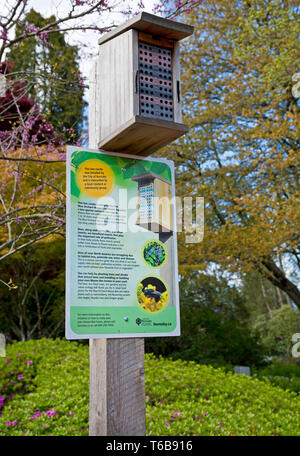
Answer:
(137, 85)
(154, 203)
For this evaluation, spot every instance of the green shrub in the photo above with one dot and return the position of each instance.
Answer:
(190, 399)
(281, 370)
(56, 382)
(208, 337)
(45, 386)
(39, 273)
(276, 332)
(287, 376)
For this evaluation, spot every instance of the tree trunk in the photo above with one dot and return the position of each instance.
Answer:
(278, 278)
(279, 296)
(265, 296)
(288, 300)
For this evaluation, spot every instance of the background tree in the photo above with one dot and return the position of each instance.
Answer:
(16, 108)
(261, 296)
(36, 308)
(242, 153)
(32, 182)
(23, 156)
(50, 67)
(275, 333)
(214, 325)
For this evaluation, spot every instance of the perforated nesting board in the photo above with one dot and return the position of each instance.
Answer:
(155, 82)
(146, 196)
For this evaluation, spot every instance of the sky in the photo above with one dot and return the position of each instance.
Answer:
(87, 41)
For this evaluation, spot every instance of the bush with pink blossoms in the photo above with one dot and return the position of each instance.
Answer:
(182, 398)
(44, 388)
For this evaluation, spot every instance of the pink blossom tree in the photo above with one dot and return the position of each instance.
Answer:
(32, 155)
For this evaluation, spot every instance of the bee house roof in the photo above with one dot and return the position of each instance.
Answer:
(149, 176)
(155, 25)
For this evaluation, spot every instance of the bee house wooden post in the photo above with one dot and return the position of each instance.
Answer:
(138, 96)
(135, 108)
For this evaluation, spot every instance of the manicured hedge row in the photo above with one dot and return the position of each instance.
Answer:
(45, 383)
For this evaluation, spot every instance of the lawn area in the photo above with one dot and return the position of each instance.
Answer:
(44, 387)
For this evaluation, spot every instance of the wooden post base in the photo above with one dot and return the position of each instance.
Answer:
(117, 387)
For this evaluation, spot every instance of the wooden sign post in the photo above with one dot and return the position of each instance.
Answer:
(117, 372)
(134, 109)
(117, 387)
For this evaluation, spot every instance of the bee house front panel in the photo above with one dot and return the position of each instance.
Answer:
(156, 82)
(136, 83)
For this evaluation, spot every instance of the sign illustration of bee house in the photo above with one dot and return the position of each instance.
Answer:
(137, 85)
(154, 203)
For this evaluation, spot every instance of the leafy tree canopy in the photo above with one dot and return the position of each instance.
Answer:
(242, 152)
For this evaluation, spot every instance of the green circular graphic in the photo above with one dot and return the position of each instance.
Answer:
(154, 253)
(152, 294)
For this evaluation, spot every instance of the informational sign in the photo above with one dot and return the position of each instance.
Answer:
(122, 272)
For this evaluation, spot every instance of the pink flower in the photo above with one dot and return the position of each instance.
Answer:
(20, 376)
(71, 414)
(12, 424)
(29, 363)
(7, 361)
(167, 423)
(36, 415)
(50, 413)
(4, 33)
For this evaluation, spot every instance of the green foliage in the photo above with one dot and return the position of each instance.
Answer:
(207, 337)
(188, 399)
(272, 317)
(51, 397)
(36, 308)
(213, 325)
(242, 150)
(57, 380)
(260, 295)
(51, 69)
(284, 375)
(281, 370)
(213, 292)
(276, 331)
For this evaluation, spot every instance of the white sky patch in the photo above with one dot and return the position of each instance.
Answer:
(87, 41)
